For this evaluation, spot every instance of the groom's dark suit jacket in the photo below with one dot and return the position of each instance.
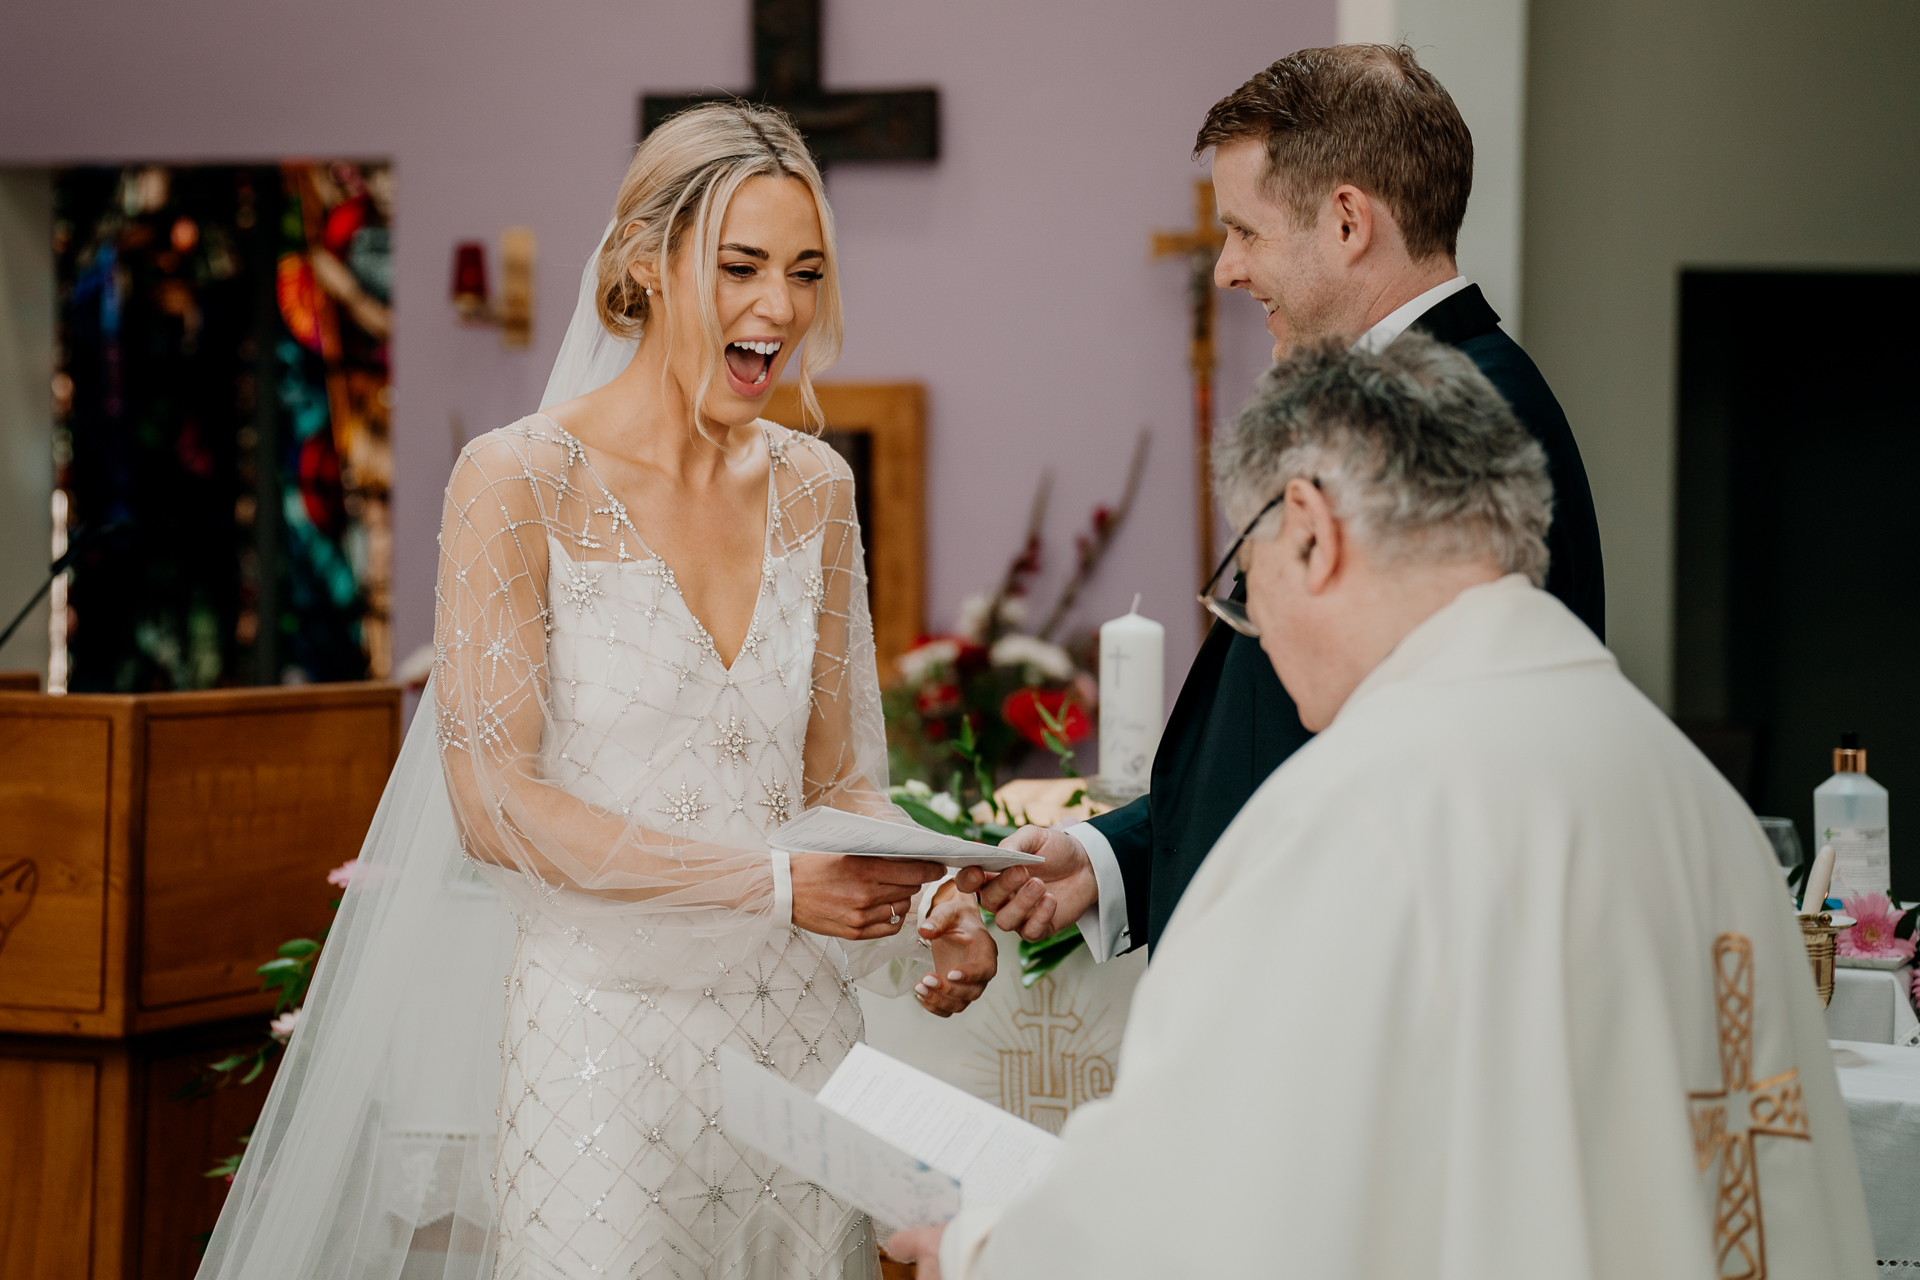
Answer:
(1234, 724)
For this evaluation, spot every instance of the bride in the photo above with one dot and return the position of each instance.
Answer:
(653, 649)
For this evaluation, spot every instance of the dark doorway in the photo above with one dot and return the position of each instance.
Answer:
(1797, 574)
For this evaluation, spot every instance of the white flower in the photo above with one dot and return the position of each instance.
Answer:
(981, 811)
(915, 663)
(1017, 650)
(946, 806)
(917, 789)
(976, 613)
(281, 1028)
(973, 617)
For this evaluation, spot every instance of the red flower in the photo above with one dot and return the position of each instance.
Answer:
(935, 700)
(1022, 711)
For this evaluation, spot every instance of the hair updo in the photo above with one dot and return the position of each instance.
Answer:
(679, 185)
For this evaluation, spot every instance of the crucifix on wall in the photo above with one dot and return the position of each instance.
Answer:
(887, 124)
(1200, 246)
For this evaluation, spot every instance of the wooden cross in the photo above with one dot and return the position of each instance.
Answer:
(891, 124)
(1727, 1120)
(1200, 246)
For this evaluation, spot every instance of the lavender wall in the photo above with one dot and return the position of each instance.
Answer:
(1011, 277)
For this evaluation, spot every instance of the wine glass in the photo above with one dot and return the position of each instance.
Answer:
(1785, 839)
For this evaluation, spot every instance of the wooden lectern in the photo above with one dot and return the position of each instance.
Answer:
(154, 851)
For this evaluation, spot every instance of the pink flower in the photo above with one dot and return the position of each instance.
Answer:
(1872, 934)
(281, 1028)
(342, 875)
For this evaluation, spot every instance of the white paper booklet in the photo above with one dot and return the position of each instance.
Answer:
(907, 1148)
(826, 830)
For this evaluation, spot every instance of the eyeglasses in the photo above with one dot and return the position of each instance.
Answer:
(1234, 612)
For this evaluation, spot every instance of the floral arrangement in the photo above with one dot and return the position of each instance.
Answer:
(287, 975)
(1872, 936)
(971, 703)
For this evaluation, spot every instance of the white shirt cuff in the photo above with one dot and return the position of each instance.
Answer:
(782, 888)
(923, 901)
(1104, 926)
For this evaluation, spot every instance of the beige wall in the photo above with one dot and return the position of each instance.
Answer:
(26, 407)
(1478, 48)
(1697, 133)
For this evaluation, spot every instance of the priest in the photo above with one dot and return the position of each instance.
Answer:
(1495, 978)
(1342, 176)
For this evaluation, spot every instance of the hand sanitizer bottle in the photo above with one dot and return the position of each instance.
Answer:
(1850, 813)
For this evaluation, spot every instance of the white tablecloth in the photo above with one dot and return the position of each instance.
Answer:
(1881, 1084)
(1872, 1004)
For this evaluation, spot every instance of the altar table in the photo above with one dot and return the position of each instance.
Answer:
(1881, 1085)
(1873, 1005)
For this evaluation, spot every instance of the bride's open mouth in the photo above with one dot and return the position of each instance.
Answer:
(750, 365)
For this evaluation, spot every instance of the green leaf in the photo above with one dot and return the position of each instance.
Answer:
(927, 817)
(275, 968)
(253, 1073)
(298, 948)
(228, 1063)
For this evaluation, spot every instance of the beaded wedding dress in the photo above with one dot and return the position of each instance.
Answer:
(506, 1066)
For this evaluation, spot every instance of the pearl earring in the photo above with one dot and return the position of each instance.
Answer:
(649, 291)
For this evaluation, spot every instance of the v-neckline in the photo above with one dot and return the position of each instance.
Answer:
(766, 545)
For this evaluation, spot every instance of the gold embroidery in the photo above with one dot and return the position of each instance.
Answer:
(1044, 1082)
(1726, 1120)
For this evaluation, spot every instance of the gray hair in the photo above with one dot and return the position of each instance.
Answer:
(1413, 447)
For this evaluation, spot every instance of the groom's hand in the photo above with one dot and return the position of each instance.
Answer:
(1037, 901)
(965, 956)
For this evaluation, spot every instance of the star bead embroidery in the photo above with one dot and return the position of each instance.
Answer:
(685, 807)
(618, 510)
(817, 590)
(733, 741)
(755, 638)
(580, 587)
(777, 801)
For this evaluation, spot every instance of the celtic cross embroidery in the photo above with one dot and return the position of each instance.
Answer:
(1727, 1120)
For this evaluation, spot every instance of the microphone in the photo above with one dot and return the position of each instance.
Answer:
(79, 542)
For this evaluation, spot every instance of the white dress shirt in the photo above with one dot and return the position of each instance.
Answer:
(1104, 925)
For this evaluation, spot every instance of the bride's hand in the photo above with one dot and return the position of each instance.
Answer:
(845, 896)
(965, 956)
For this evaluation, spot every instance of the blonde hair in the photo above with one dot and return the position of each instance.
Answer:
(681, 181)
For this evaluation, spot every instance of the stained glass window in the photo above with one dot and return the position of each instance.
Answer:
(224, 390)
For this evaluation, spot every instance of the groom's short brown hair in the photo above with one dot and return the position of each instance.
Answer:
(1368, 114)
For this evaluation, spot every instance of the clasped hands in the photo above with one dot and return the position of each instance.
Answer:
(856, 898)
(1034, 902)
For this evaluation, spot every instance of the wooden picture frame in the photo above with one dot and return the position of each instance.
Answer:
(881, 428)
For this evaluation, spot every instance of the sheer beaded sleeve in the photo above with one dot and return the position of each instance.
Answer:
(515, 499)
(592, 738)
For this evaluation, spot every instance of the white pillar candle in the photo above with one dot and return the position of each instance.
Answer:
(1132, 689)
(1818, 881)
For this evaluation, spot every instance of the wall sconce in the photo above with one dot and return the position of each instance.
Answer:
(514, 316)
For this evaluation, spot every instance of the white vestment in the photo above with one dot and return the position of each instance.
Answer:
(1493, 978)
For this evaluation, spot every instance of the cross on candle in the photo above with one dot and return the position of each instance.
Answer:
(888, 124)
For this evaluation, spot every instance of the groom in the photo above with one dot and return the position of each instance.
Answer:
(1342, 176)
